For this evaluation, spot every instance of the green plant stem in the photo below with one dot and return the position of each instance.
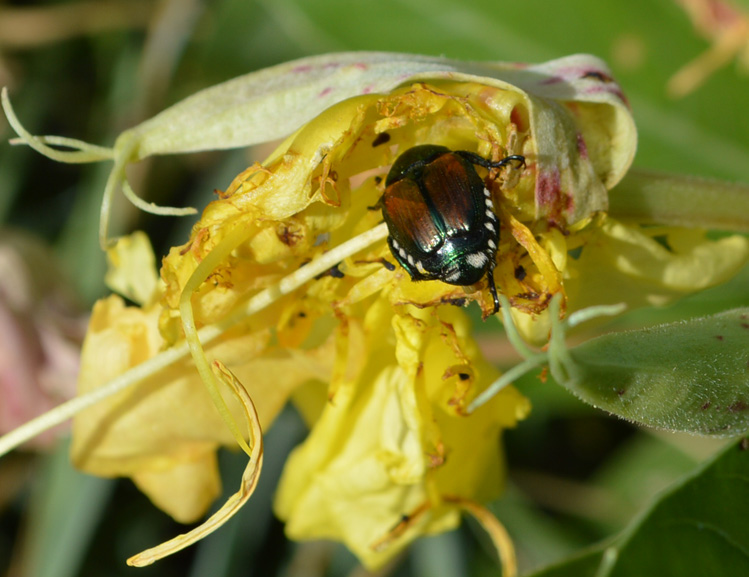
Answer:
(657, 198)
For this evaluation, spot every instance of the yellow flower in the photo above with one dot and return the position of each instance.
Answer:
(390, 436)
(287, 281)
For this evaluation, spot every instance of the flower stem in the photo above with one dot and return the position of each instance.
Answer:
(658, 198)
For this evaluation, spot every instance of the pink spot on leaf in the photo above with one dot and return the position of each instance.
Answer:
(596, 74)
(582, 148)
(569, 203)
(548, 188)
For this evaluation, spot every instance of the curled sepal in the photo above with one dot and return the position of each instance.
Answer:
(690, 376)
(72, 151)
(237, 500)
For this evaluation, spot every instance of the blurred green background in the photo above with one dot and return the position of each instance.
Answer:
(89, 69)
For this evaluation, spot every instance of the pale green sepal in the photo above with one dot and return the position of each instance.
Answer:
(599, 135)
(274, 102)
(648, 197)
(80, 152)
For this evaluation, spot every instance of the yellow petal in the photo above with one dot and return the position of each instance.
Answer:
(132, 268)
(638, 266)
(394, 438)
(155, 429)
(185, 488)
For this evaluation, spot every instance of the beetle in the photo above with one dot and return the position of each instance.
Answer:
(440, 215)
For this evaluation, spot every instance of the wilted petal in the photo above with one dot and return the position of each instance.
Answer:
(394, 439)
(159, 430)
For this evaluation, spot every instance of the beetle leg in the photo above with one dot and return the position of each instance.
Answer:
(377, 205)
(519, 158)
(493, 289)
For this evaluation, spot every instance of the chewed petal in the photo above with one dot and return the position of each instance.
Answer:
(406, 441)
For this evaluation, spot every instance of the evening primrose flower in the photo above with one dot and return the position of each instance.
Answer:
(404, 367)
(286, 289)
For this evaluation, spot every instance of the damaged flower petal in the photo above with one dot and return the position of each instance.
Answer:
(163, 432)
(394, 440)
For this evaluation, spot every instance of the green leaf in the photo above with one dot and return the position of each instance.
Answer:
(585, 565)
(696, 528)
(691, 376)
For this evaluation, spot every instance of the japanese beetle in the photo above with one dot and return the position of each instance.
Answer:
(440, 216)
